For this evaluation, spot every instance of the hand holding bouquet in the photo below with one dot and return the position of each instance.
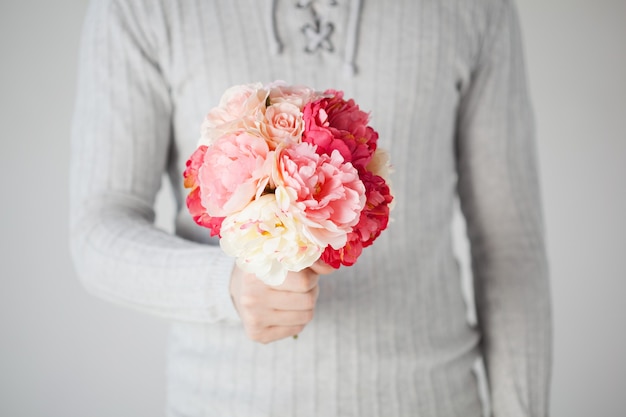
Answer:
(285, 176)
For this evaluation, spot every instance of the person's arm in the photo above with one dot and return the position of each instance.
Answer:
(500, 197)
(120, 140)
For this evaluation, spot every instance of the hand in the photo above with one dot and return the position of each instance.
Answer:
(273, 313)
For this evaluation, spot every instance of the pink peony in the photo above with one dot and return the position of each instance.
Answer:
(373, 220)
(234, 170)
(193, 165)
(194, 204)
(333, 123)
(199, 214)
(323, 188)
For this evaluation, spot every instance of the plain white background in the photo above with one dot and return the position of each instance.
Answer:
(65, 353)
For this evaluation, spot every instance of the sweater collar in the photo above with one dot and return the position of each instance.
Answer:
(319, 32)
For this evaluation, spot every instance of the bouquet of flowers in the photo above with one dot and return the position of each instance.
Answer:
(286, 175)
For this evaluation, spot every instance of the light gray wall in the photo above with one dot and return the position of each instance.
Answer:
(577, 64)
(65, 353)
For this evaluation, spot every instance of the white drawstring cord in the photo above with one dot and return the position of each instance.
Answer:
(352, 34)
(276, 46)
(318, 34)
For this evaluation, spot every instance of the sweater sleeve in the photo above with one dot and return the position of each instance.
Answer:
(121, 136)
(500, 198)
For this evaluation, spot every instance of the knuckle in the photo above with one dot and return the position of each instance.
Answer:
(248, 300)
(254, 334)
(309, 300)
(265, 340)
(307, 316)
(254, 323)
(249, 279)
(306, 283)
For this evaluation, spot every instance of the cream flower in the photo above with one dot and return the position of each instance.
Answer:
(380, 165)
(267, 241)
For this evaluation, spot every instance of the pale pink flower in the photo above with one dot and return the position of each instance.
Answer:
(267, 241)
(298, 95)
(239, 109)
(282, 123)
(234, 170)
(323, 189)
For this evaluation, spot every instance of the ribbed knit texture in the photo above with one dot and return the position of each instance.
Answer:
(445, 84)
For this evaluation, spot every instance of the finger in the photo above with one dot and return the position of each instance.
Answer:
(274, 333)
(286, 300)
(289, 318)
(260, 319)
(321, 268)
(299, 282)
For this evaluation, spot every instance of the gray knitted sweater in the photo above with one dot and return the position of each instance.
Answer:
(444, 81)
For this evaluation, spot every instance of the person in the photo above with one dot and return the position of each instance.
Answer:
(445, 84)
